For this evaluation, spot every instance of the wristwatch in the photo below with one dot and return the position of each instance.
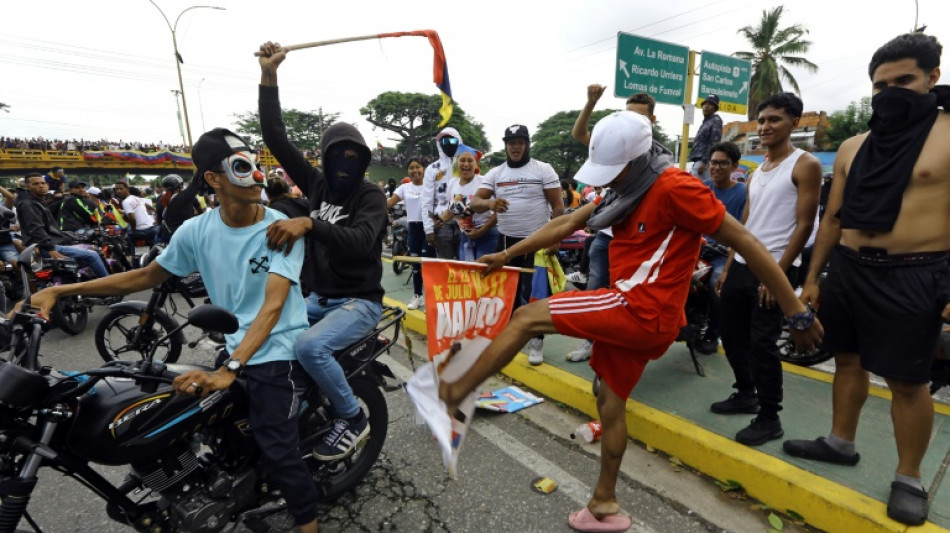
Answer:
(801, 321)
(234, 366)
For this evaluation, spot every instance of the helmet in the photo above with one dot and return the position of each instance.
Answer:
(172, 181)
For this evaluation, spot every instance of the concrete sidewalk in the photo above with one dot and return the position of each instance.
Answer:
(669, 410)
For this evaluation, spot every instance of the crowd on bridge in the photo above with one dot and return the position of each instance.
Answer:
(69, 145)
(886, 234)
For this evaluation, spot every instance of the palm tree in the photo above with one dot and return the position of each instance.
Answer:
(774, 50)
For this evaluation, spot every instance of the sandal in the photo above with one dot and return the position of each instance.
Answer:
(819, 450)
(585, 522)
(908, 505)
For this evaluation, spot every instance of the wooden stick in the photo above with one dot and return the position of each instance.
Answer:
(314, 44)
(413, 259)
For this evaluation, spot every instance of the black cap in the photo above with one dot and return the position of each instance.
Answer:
(213, 147)
(712, 99)
(76, 183)
(516, 131)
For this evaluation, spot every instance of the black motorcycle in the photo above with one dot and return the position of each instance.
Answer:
(194, 464)
(400, 237)
(134, 328)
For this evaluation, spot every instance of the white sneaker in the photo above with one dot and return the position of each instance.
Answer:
(536, 353)
(416, 302)
(577, 277)
(581, 353)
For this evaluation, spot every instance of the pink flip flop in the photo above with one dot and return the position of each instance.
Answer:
(585, 522)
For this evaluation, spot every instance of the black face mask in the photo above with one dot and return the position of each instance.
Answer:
(343, 174)
(896, 108)
(449, 145)
(525, 156)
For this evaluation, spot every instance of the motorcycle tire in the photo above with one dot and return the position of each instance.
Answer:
(336, 478)
(399, 248)
(117, 328)
(70, 315)
(787, 353)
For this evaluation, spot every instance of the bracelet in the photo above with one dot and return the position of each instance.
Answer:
(507, 257)
(801, 321)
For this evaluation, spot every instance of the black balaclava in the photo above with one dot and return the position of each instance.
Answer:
(449, 145)
(518, 131)
(336, 139)
(343, 174)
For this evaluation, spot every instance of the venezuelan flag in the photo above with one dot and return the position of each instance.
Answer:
(548, 277)
(440, 69)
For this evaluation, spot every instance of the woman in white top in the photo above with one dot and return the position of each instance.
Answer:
(479, 236)
(411, 194)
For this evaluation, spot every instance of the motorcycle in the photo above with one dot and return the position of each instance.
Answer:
(697, 302)
(571, 252)
(135, 327)
(71, 313)
(193, 462)
(400, 237)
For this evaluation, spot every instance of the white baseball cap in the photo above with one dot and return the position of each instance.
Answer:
(94, 191)
(617, 139)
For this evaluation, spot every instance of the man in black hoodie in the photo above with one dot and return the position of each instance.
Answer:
(344, 247)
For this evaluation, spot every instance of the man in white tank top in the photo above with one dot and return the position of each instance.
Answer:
(780, 211)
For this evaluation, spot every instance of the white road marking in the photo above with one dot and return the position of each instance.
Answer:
(524, 455)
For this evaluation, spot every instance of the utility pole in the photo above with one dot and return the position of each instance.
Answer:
(181, 128)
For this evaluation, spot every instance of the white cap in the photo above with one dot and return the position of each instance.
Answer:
(448, 131)
(93, 191)
(617, 139)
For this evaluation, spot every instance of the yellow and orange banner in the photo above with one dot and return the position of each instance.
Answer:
(462, 304)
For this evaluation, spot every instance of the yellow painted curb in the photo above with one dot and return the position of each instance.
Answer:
(823, 503)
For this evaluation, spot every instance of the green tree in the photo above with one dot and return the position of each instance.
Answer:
(848, 123)
(414, 117)
(553, 143)
(304, 128)
(774, 49)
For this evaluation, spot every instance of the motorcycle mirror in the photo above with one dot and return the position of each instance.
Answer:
(213, 318)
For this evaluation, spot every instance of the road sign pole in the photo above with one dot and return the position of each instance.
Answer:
(684, 142)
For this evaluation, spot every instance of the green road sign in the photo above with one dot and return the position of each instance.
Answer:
(649, 66)
(727, 77)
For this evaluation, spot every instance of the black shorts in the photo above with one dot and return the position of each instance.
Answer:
(886, 308)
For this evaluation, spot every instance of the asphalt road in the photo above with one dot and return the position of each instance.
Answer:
(408, 490)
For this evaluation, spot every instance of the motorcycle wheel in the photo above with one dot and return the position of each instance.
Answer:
(787, 353)
(399, 248)
(336, 478)
(117, 329)
(70, 315)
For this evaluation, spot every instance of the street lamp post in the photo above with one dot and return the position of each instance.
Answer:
(181, 85)
(201, 107)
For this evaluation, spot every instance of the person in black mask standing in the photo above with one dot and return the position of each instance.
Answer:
(886, 230)
(343, 268)
(527, 194)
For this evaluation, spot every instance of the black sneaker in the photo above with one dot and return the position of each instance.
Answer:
(760, 431)
(737, 403)
(343, 438)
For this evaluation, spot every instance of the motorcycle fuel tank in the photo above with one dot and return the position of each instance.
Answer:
(118, 423)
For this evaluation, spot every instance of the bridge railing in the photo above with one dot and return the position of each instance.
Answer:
(24, 160)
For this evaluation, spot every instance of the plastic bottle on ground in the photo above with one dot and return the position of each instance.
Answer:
(589, 432)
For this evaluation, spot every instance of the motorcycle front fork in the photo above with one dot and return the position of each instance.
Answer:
(15, 492)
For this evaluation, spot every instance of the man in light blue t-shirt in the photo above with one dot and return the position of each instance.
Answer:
(228, 246)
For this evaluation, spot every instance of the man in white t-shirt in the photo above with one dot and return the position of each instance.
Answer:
(136, 212)
(527, 194)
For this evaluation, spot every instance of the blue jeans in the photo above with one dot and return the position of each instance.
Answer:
(335, 324)
(599, 275)
(8, 253)
(149, 235)
(85, 257)
(470, 250)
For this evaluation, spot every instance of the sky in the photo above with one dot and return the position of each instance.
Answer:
(105, 69)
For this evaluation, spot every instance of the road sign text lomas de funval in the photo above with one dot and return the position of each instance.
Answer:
(654, 67)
